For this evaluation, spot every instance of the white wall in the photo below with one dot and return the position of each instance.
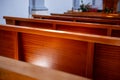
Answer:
(13, 8)
(61, 6)
(58, 6)
(118, 7)
(86, 1)
(99, 4)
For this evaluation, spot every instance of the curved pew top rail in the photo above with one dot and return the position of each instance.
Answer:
(78, 19)
(67, 35)
(11, 69)
(91, 15)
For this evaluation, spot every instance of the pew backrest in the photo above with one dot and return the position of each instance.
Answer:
(91, 15)
(78, 19)
(87, 55)
(91, 28)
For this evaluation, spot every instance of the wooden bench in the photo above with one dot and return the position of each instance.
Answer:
(90, 15)
(16, 70)
(100, 29)
(78, 19)
(87, 55)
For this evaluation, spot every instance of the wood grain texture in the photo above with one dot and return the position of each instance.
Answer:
(64, 34)
(67, 51)
(8, 44)
(106, 62)
(56, 53)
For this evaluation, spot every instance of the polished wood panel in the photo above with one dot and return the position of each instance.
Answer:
(92, 28)
(16, 70)
(90, 14)
(8, 44)
(34, 24)
(78, 19)
(63, 34)
(55, 53)
(106, 62)
(67, 51)
(89, 30)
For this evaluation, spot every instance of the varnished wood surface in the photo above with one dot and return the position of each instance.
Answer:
(90, 14)
(55, 53)
(106, 62)
(11, 75)
(100, 29)
(67, 35)
(7, 43)
(16, 70)
(78, 19)
(111, 4)
(76, 53)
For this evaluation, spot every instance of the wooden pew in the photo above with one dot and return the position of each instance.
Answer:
(78, 19)
(90, 15)
(87, 55)
(16, 70)
(100, 29)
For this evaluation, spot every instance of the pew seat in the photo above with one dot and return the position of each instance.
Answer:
(11, 69)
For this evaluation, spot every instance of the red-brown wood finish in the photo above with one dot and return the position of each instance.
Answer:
(66, 51)
(17, 70)
(78, 19)
(8, 44)
(115, 33)
(110, 4)
(106, 62)
(90, 30)
(57, 53)
(101, 29)
(90, 15)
